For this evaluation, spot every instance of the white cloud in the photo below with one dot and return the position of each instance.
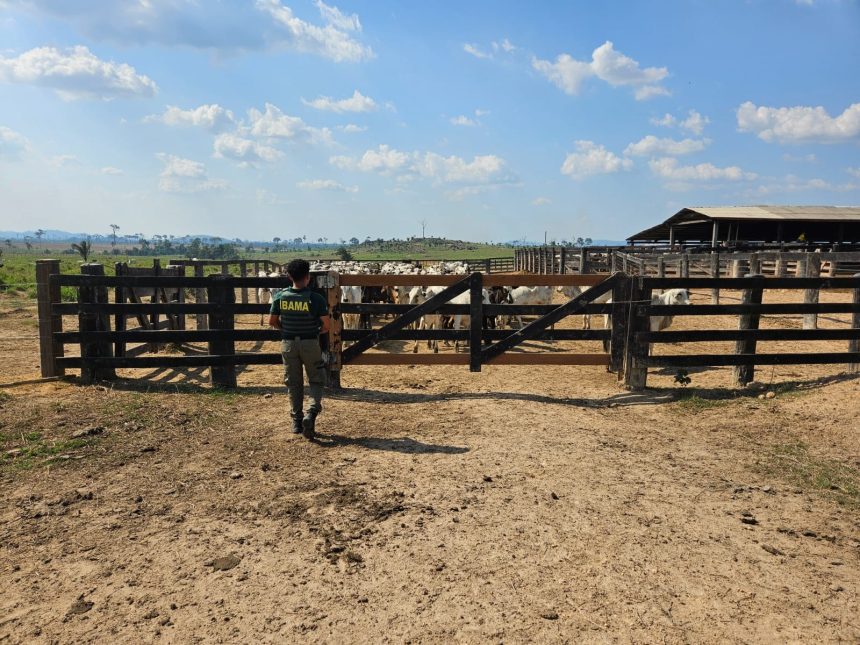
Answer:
(329, 41)
(213, 117)
(668, 168)
(228, 27)
(384, 160)
(273, 123)
(110, 170)
(479, 113)
(566, 73)
(181, 175)
(334, 16)
(809, 158)
(351, 128)
(607, 64)
(799, 124)
(651, 145)
(592, 159)
(463, 120)
(247, 151)
(505, 45)
(356, 103)
(12, 144)
(541, 201)
(327, 184)
(475, 51)
(853, 171)
(75, 73)
(63, 160)
(483, 169)
(694, 123)
(793, 184)
(468, 177)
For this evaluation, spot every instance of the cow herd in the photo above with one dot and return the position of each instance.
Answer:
(512, 295)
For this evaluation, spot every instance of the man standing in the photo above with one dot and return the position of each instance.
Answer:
(301, 315)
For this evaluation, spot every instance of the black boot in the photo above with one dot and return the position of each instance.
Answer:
(297, 423)
(309, 424)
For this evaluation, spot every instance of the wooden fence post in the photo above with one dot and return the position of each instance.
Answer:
(49, 324)
(661, 266)
(715, 273)
(854, 343)
(583, 260)
(200, 298)
(119, 320)
(221, 294)
(93, 321)
(811, 269)
(180, 317)
(619, 316)
(335, 344)
(636, 362)
(755, 264)
(243, 272)
(563, 259)
(476, 321)
(736, 268)
(744, 374)
(685, 265)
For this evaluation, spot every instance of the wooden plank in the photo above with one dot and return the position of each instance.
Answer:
(724, 335)
(221, 292)
(50, 322)
(374, 358)
(723, 360)
(486, 334)
(854, 345)
(494, 280)
(636, 352)
(620, 319)
(812, 269)
(91, 349)
(744, 373)
(450, 310)
(476, 321)
(767, 308)
(739, 283)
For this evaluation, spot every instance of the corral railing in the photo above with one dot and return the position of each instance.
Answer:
(103, 345)
(666, 262)
(745, 358)
(486, 346)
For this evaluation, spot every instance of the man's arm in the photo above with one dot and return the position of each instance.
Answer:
(325, 321)
(275, 321)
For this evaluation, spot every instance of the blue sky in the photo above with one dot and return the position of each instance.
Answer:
(489, 120)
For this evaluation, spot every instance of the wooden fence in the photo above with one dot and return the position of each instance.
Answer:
(102, 347)
(665, 263)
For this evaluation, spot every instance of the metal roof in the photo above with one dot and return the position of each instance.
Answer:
(798, 213)
(762, 222)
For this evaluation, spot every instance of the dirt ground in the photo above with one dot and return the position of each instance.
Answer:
(514, 505)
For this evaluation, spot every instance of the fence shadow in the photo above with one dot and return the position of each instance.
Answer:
(405, 445)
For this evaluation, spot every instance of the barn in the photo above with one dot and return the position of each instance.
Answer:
(732, 226)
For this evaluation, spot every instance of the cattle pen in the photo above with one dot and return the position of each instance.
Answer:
(102, 337)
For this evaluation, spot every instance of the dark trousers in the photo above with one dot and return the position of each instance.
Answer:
(298, 353)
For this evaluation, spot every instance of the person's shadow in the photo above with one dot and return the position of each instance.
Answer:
(397, 444)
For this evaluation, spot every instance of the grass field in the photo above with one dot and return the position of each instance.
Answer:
(18, 275)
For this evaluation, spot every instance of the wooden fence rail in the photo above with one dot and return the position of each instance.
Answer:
(627, 342)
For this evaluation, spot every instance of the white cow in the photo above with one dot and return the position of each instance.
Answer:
(573, 291)
(264, 294)
(351, 295)
(668, 297)
(541, 295)
(462, 320)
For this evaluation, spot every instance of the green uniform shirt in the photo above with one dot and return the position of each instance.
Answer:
(299, 311)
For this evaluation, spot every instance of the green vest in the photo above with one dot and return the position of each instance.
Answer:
(297, 313)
